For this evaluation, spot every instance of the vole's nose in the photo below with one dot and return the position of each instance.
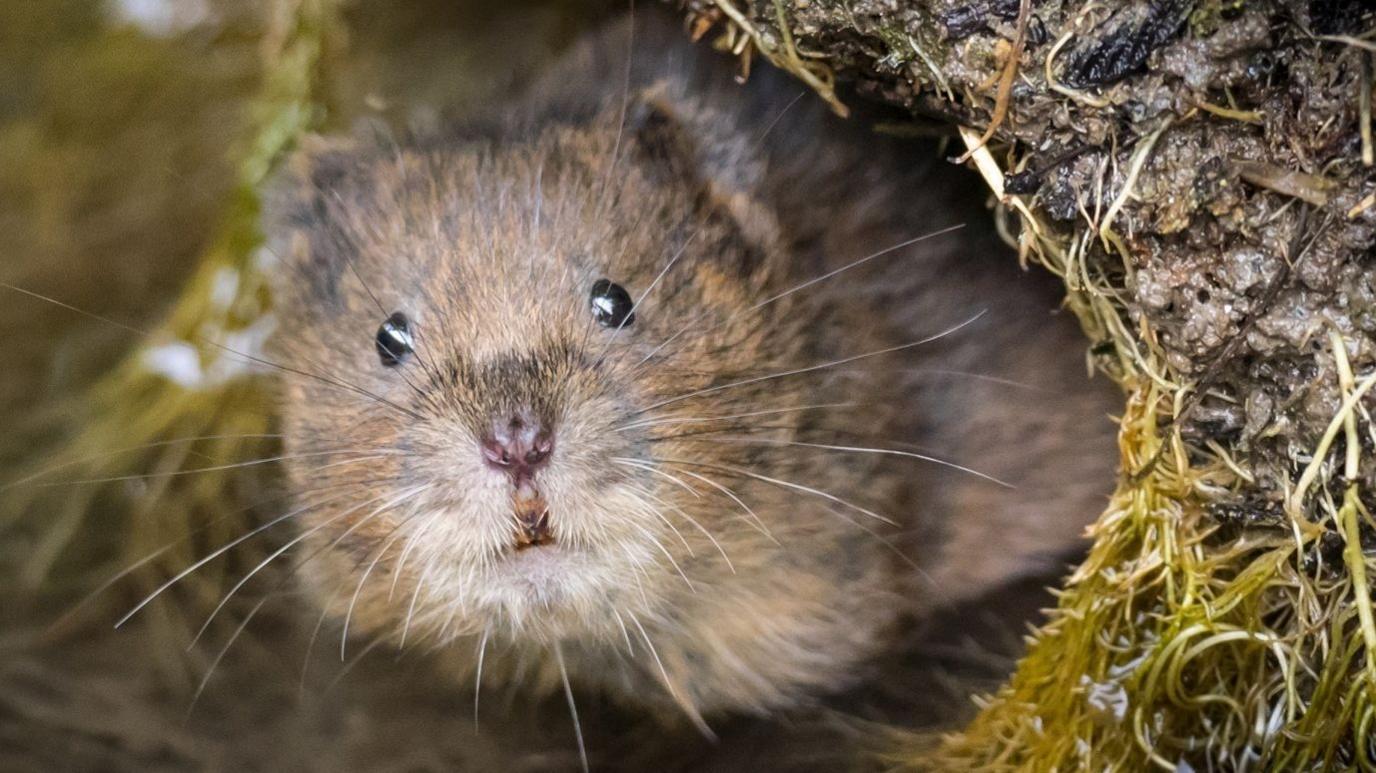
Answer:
(518, 445)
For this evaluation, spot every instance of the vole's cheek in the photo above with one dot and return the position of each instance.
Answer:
(473, 526)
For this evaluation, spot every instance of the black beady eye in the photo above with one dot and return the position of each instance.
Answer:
(611, 304)
(394, 341)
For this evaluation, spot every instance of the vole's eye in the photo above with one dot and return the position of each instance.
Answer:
(394, 340)
(611, 304)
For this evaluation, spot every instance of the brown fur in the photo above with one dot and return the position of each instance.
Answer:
(490, 239)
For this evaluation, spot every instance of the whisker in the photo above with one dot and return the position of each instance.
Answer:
(650, 468)
(415, 596)
(573, 709)
(785, 484)
(625, 101)
(373, 454)
(757, 521)
(297, 540)
(337, 383)
(310, 647)
(478, 678)
(882, 451)
(655, 422)
(107, 585)
(660, 546)
(680, 511)
(673, 260)
(348, 667)
(205, 680)
(703, 433)
(624, 632)
(128, 450)
(358, 590)
(689, 709)
(975, 376)
(221, 551)
(853, 264)
(887, 543)
(759, 140)
(656, 513)
(348, 259)
(811, 368)
(413, 540)
(420, 581)
(145, 560)
(803, 286)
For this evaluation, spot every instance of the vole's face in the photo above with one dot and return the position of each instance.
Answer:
(512, 422)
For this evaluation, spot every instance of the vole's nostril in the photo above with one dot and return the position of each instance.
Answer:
(540, 449)
(518, 445)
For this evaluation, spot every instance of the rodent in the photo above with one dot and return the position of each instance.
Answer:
(587, 398)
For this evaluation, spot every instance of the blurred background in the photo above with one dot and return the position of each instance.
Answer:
(134, 133)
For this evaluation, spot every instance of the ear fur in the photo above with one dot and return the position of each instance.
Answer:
(674, 142)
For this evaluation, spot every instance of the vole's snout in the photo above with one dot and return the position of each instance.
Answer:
(519, 445)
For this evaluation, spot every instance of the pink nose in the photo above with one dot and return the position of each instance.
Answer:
(519, 446)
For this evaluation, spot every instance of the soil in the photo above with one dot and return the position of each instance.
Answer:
(1248, 233)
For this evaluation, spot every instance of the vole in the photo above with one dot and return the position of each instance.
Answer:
(673, 388)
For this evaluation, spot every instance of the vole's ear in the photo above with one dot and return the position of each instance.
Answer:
(662, 139)
(301, 202)
(296, 195)
(678, 143)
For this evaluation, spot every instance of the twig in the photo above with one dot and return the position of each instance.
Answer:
(1009, 74)
(1364, 110)
(789, 60)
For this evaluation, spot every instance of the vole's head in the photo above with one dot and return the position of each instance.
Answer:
(518, 407)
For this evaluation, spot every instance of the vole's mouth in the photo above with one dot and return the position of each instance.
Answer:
(531, 514)
(535, 534)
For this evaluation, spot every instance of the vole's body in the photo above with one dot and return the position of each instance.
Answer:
(718, 528)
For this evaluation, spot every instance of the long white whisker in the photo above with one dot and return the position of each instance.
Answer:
(880, 451)
(128, 450)
(660, 546)
(679, 510)
(646, 466)
(624, 632)
(573, 709)
(811, 368)
(415, 597)
(677, 254)
(358, 590)
(363, 653)
(805, 285)
(373, 454)
(660, 515)
(200, 688)
(220, 551)
(655, 422)
(420, 581)
(310, 647)
(297, 540)
(688, 708)
(478, 678)
(757, 521)
(785, 484)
